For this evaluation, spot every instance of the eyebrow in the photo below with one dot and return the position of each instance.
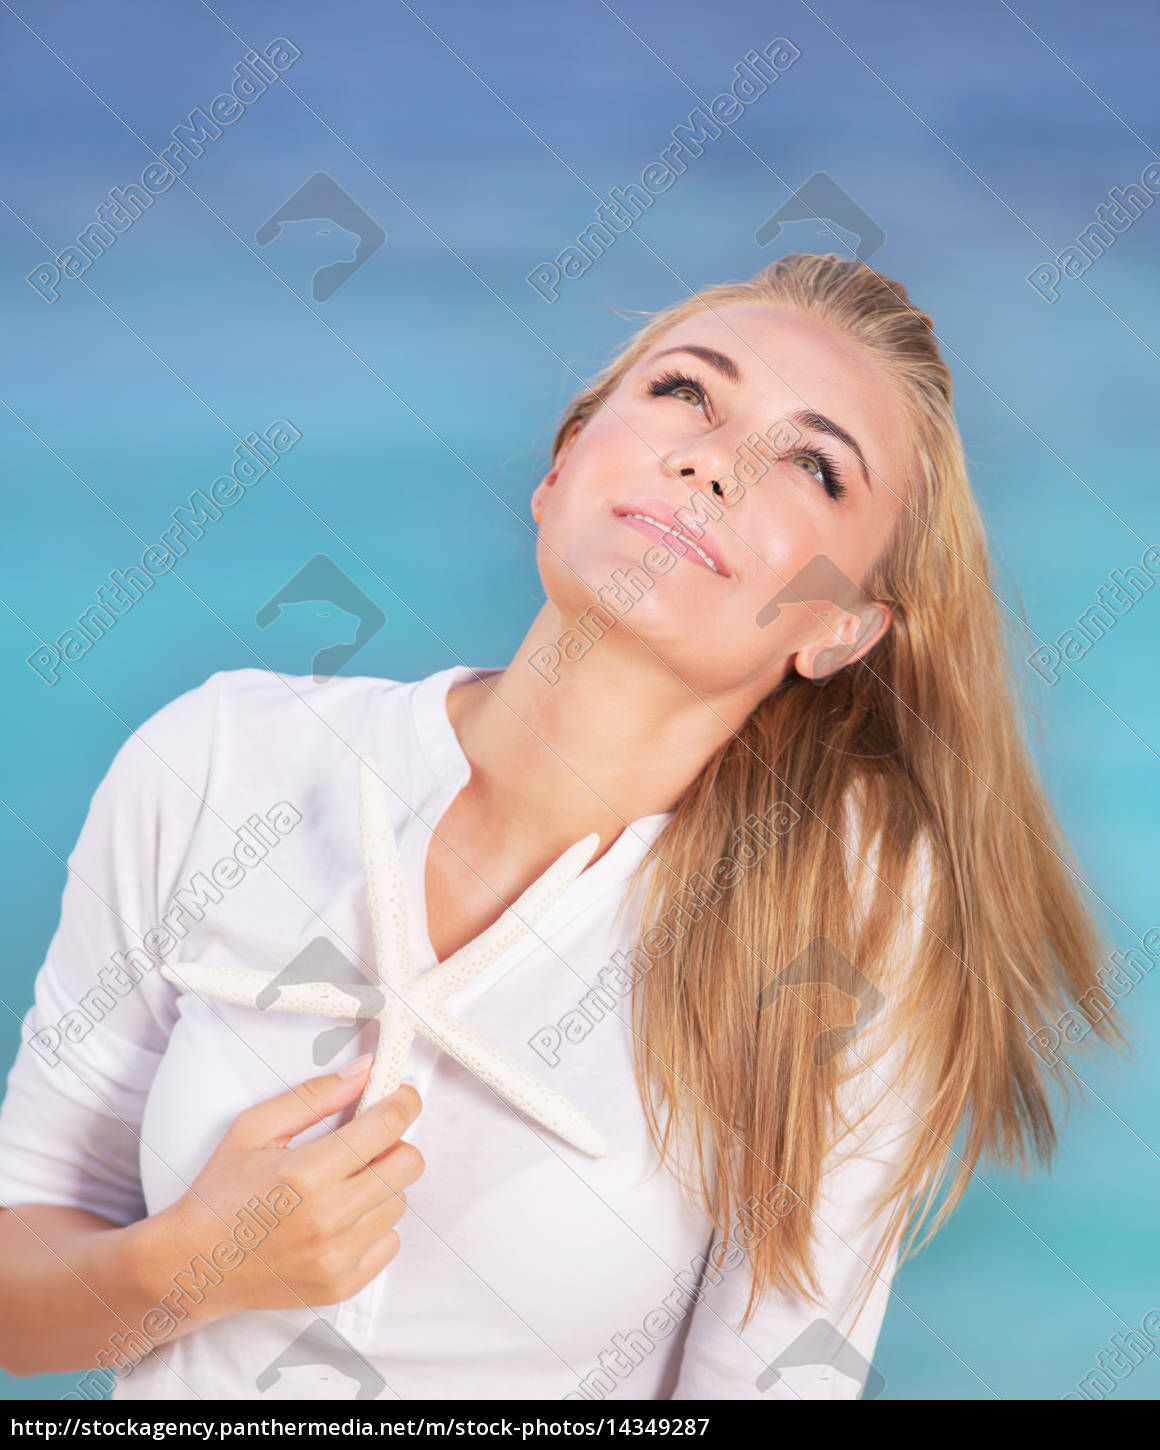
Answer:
(724, 365)
(803, 418)
(819, 423)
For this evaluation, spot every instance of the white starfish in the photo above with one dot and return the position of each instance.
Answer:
(407, 1002)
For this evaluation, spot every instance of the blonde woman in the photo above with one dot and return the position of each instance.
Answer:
(788, 905)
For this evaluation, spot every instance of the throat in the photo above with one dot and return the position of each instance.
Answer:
(458, 904)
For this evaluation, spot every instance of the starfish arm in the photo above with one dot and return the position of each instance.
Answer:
(396, 1033)
(248, 988)
(490, 944)
(514, 1082)
(386, 898)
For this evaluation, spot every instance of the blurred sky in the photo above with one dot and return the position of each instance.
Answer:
(981, 139)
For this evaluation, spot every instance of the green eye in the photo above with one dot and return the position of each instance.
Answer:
(811, 465)
(820, 466)
(680, 386)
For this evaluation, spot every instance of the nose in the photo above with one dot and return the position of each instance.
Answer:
(690, 473)
(703, 461)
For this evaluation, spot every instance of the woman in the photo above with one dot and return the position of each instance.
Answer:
(675, 1126)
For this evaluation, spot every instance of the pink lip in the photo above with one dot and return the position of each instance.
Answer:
(666, 514)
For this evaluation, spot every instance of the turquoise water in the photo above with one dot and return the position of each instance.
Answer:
(425, 391)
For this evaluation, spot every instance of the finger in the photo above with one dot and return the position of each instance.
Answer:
(383, 1181)
(359, 1142)
(350, 1199)
(373, 1225)
(271, 1124)
(400, 1166)
(373, 1238)
(378, 1256)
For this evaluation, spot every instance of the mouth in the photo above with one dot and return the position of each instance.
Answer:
(658, 521)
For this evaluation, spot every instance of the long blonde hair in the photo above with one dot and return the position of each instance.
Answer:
(924, 737)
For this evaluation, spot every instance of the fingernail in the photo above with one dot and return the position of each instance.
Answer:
(358, 1066)
(409, 1082)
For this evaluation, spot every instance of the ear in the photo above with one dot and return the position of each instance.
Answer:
(845, 637)
(550, 478)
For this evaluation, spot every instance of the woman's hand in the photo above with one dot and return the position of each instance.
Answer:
(347, 1192)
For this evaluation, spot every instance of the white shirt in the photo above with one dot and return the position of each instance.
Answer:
(527, 1269)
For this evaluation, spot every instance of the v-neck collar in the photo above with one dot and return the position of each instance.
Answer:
(449, 764)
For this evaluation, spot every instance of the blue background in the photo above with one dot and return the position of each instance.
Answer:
(427, 388)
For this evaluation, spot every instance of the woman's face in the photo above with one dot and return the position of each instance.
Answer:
(808, 501)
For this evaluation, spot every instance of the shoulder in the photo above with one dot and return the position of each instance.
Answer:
(242, 741)
(263, 708)
(244, 729)
(249, 697)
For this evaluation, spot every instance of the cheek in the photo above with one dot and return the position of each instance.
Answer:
(589, 483)
(615, 441)
(789, 528)
(572, 538)
(780, 548)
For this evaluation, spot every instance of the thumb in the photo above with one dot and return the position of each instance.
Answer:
(271, 1124)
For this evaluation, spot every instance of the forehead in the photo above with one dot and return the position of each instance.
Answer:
(790, 361)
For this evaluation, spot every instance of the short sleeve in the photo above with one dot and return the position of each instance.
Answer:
(102, 1012)
(823, 1348)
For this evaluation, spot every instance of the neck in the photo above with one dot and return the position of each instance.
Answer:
(602, 741)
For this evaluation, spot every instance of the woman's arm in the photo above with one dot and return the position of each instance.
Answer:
(74, 1284)
(70, 1281)
(73, 1266)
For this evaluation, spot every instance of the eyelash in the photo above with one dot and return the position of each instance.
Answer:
(672, 382)
(827, 467)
